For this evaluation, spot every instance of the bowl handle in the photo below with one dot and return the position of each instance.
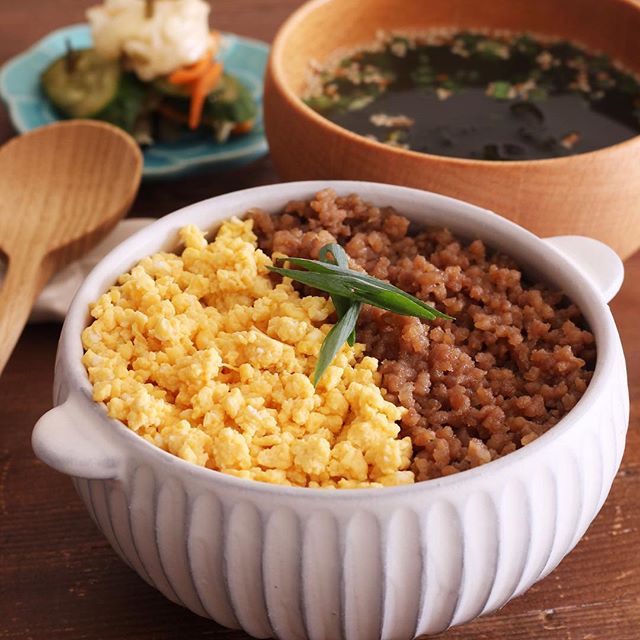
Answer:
(596, 260)
(70, 439)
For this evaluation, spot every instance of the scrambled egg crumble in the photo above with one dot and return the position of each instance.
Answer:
(203, 356)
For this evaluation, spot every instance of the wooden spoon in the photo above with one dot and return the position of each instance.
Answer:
(62, 188)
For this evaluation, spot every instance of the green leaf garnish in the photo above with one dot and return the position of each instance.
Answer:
(333, 253)
(358, 286)
(335, 339)
(501, 90)
(349, 290)
(337, 252)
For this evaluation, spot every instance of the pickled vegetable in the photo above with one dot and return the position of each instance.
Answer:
(230, 102)
(81, 84)
(166, 88)
(127, 105)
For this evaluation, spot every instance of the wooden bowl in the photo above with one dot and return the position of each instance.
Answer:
(595, 194)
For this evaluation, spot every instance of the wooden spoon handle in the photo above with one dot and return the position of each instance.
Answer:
(25, 278)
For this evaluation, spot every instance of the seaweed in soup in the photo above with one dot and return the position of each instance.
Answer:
(475, 96)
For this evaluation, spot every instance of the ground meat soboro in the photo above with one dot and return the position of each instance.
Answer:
(516, 359)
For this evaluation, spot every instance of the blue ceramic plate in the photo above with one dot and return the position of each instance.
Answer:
(242, 57)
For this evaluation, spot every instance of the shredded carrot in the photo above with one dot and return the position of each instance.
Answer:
(200, 90)
(199, 79)
(185, 75)
(243, 127)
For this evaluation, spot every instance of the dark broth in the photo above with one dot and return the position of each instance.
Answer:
(472, 96)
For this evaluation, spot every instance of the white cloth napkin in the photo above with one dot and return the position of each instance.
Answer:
(56, 297)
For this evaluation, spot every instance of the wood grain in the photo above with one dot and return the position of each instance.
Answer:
(64, 186)
(594, 194)
(60, 580)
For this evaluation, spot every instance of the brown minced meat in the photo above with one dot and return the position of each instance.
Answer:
(515, 360)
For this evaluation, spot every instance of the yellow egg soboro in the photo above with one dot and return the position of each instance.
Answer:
(201, 355)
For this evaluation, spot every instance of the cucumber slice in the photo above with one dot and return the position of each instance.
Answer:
(80, 84)
(166, 88)
(127, 105)
(229, 102)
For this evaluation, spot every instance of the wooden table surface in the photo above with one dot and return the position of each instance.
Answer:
(60, 579)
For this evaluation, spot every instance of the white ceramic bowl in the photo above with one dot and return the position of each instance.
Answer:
(357, 564)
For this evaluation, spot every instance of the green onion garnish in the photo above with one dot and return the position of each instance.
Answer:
(334, 254)
(349, 290)
(339, 334)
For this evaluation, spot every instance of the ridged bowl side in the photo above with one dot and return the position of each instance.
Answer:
(294, 568)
